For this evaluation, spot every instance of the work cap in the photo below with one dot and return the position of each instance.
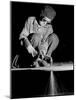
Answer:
(49, 12)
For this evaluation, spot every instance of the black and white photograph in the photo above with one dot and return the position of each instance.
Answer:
(42, 49)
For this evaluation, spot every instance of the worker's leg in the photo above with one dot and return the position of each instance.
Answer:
(53, 42)
(35, 39)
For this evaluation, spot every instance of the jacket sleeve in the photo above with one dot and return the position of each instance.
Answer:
(26, 31)
(28, 28)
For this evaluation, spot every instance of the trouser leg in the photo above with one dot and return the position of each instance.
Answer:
(35, 40)
(53, 42)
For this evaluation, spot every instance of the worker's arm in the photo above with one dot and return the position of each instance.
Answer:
(24, 38)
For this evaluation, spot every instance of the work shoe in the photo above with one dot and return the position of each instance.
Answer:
(36, 62)
(49, 60)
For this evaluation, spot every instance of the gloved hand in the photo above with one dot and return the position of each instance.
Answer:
(31, 50)
(43, 48)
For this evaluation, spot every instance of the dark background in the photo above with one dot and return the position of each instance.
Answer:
(63, 26)
(36, 83)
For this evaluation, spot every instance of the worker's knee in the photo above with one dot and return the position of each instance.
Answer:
(54, 39)
(35, 40)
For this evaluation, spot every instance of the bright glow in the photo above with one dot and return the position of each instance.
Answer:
(56, 67)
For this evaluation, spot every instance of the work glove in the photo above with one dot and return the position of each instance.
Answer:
(31, 50)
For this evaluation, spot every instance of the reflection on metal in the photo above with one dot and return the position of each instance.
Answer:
(14, 63)
(54, 67)
(53, 89)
